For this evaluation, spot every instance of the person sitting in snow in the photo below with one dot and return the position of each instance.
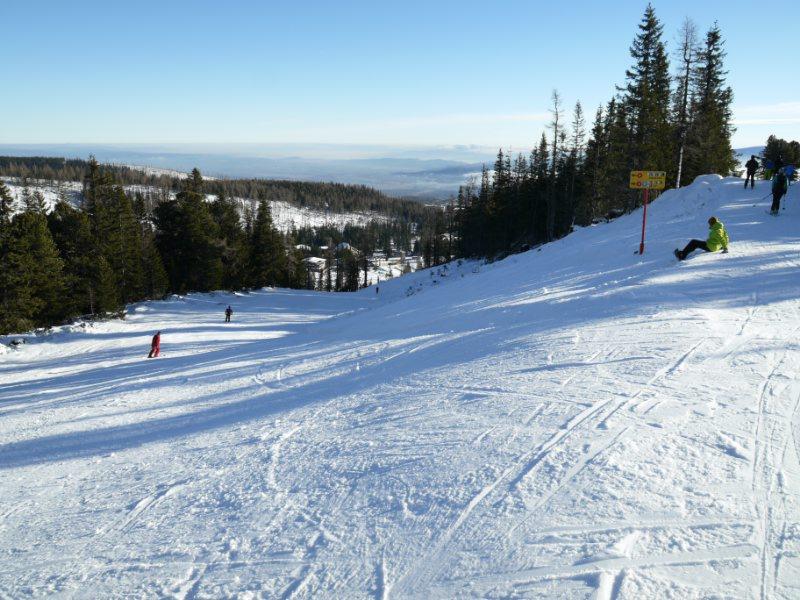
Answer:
(228, 313)
(717, 238)
(155, 345)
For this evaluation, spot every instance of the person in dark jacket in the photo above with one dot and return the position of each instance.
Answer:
(780, 185)
(752, 166)
(717, 239)
(228, 313)
(155, 345)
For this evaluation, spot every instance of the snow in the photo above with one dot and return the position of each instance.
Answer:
(577, 422)
(285, 215)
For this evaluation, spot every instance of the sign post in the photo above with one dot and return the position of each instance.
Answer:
(647, 180)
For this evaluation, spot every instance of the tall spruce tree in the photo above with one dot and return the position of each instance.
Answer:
(30, 275)
(708, 140)
(267, 253)
(647, 98)
(234, 243)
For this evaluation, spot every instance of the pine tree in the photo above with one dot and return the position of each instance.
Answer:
(30, 275)
(188, 239)
(777, 148)
(234, 244)
(708, 141)
(267, 253)
(593, 172)
(328, 268)
(72, 235)
(154, 277)
(35, 203)
(647, 98)
(6, 206)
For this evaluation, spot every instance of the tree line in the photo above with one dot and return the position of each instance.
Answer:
(118, 247)
(321, 196)
(678, 121)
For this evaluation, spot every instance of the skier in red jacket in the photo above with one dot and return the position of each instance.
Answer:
(155, 345)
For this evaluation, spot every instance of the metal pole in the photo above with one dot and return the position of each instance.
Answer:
(644, 218)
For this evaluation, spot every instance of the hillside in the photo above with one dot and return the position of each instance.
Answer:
(322, 197)
(577, 421)
(286, 216)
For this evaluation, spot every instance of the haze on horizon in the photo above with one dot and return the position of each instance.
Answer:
(453, 74)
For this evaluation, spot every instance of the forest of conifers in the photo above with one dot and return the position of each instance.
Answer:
(663, 118)
(119, 246)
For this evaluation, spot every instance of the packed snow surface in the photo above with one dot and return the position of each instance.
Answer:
(574, 422)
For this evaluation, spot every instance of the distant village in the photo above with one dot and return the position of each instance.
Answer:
(322, 263)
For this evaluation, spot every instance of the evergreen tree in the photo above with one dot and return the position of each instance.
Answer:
(234, 242)
(188, 239)
(777, 148)
(329, 268)
(30, 275)
(154, 277)
(647, 98)
(35, 203)
(267, 254)
(6, 206)
(593, 172)
(708, 140)
(89, 288)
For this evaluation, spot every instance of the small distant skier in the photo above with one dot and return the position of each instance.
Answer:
(717, 238)
(780, 185)
(228, 313)
(752, 166)
(155, 345)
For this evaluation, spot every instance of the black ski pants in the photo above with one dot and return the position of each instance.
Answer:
(751, 177)
(694, 245)
(776, 200)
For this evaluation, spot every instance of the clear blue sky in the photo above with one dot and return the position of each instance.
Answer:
(411, 72)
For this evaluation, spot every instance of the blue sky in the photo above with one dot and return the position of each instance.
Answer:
(354, 72)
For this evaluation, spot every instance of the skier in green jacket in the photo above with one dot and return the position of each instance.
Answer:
(717, 239)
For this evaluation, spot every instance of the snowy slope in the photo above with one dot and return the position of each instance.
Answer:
(574, 422)
(285, 215)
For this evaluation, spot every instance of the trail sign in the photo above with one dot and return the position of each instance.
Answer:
(648, 180)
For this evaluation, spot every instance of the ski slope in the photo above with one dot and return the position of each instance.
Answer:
(573, 422)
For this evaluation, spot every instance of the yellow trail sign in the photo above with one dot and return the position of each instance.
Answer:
(648, 180)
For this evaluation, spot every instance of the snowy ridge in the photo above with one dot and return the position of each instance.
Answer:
(284, 215)
(575, 422)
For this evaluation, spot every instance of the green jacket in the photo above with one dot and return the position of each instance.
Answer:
(717, 237)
